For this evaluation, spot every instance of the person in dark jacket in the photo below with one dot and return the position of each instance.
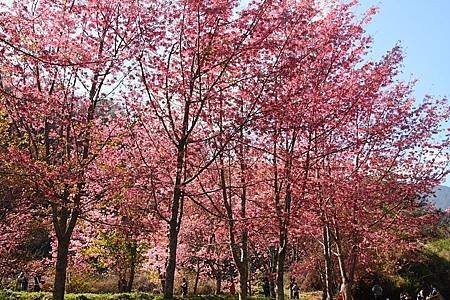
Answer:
(184, 287)
(22, 282)
(266, 287)
(295, 290)
(37, 283)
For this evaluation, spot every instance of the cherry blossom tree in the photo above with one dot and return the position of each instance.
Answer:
(61, 63)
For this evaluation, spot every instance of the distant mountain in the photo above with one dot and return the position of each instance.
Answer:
(442, 197)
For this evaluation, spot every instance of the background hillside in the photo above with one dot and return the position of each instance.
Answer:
(442, 197)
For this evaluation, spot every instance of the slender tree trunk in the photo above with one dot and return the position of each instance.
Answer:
(249, 283)
(346, 288)
(197, 277)
(171, 262)
(175, 223)
(239, 250)
(173, 243)
(243, 282)
(218, 281)
(328, 293)
(353, 263)
(283, 238)
(132, 266)
(244, 265)
(272, 270)
(61, 269)
(280, 266)
(162, 280)
(283, 214)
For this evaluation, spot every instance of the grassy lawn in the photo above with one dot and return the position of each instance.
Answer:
(11, 295)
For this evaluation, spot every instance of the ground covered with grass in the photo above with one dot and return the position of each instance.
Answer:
(11, 295)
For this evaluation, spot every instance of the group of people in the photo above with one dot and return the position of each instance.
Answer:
(23, 284)
(294, 289)
(427, 292)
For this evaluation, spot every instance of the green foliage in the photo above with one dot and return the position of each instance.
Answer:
(117, 244)
(433, 267)
(430, 264)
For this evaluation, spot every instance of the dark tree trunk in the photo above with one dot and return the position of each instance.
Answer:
(64, 221)
(197, 278)
(280, 268)
(175, 221)
(243, 283)
(171, 262)
(133, 250)
(218, 281)
(283, 238)
(61, 269)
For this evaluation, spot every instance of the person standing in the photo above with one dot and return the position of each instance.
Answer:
(421, 295)
(295, 291)
(266, 287)
(22, 282)
(291, 296)
(434, 291)
(424, 291)
(184, 287)
(37, 283)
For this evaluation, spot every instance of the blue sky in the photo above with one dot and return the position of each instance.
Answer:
(423, 30)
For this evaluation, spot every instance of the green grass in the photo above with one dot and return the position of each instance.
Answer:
(11, 295)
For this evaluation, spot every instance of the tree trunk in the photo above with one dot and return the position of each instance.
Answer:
(238, 250)
(218, 281)
(132, 266)
(280, 267)
(243, 282)
(61, 269)
(249, 283)
(171, 263)
(328, 293)
(175, 223)
(346, 289)
(197, 277)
